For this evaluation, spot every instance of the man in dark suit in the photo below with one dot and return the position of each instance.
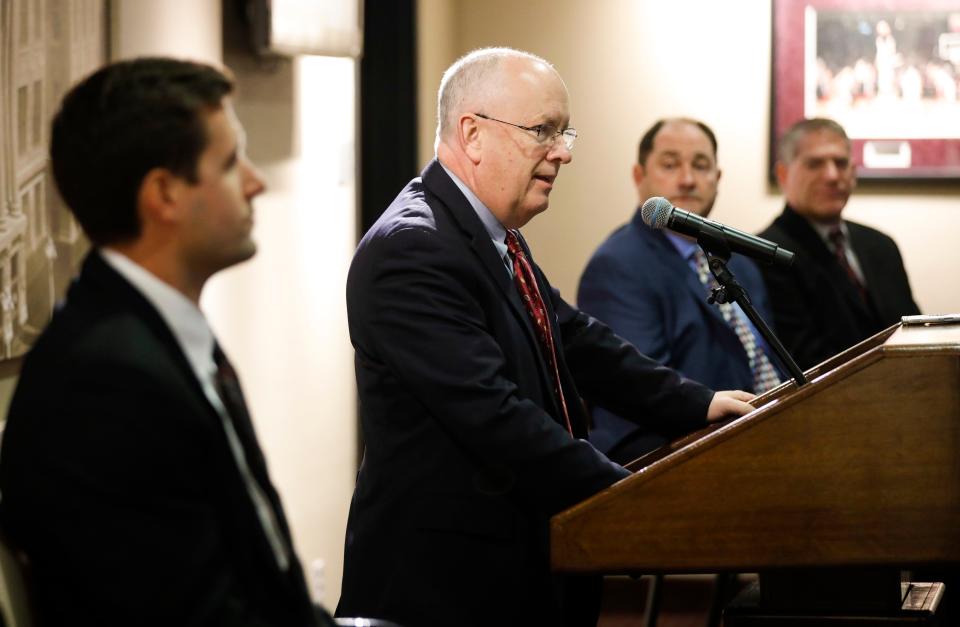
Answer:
(651, 286)
(847, 281)
(470, 370)
(130, 472)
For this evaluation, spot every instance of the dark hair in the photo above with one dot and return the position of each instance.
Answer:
(787, 148)
(646, 142)
(121, 122)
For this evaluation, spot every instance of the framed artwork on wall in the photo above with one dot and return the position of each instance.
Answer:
(45, 47)
(887, 70)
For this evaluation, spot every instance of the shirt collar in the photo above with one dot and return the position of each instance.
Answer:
(823, 230)
(684, 245)
(497, 233)
(185, 319)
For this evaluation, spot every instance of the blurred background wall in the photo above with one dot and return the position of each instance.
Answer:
(626, 64)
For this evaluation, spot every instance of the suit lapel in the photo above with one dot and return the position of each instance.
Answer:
(115, 291)
(668, 254)
(821, 256)
(692, 282)
(111, 286)
(438, 183)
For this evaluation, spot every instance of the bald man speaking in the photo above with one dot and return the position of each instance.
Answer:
(471, 370)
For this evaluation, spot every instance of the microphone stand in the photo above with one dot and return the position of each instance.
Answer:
(715, 246)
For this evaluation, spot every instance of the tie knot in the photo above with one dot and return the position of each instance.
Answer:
(513, 243)
(225, 371)
(836, 236)
(701, 261)
(703, 268)
(219, 358)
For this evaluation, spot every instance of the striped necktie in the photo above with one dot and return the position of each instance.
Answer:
(765, 376)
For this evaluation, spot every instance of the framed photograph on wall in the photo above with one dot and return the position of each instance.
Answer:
(887, 70)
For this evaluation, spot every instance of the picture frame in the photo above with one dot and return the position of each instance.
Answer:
(887, 70)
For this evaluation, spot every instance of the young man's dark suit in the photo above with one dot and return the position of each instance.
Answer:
(817, 309)
(118, 482)
(467, 456)
(637, 283)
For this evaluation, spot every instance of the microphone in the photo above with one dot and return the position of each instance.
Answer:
(658, 213)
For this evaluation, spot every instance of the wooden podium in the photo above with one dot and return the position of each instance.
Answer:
(851, 478)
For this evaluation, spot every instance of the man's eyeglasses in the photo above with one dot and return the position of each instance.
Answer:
(546, 133)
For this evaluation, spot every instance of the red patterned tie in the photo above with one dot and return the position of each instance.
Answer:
(526, 283)
(838, 239)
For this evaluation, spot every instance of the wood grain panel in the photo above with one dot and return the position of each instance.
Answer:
(859, 467)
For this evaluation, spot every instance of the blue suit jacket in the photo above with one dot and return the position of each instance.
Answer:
(638, 284)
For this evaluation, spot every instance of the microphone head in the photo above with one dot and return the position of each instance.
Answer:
(656, 212)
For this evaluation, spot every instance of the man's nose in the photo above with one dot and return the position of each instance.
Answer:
(831, 170)
(560, 152)
(252, 179)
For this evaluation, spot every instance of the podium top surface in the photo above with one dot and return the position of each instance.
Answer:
(936, 337)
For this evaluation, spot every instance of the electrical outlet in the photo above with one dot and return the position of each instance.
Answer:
(318, 580)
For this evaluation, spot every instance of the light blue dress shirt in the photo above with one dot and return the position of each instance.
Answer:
(687, 247)
(496, 230)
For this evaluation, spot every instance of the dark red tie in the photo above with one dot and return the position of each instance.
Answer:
(526, 283)
(840, 250)
(249, 459)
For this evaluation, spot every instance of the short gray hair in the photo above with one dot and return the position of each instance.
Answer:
(787, 148)
(469, 73)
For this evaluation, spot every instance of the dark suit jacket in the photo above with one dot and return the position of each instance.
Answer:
(118, 482)
(638, 284)
(466, 456)
(818, 311)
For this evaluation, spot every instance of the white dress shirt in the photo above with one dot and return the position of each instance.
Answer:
(823, 230)
(193, 334)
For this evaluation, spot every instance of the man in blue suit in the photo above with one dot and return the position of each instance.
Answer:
(650, 288)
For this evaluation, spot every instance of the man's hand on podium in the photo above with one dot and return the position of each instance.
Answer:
(729, 404)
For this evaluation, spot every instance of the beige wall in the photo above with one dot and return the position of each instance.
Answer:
(185, 28)
(629, 62)
(282, 316)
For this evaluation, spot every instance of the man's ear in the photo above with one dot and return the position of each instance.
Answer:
(161, 196)
(470, 137)
(780, 169)
(638, 174)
